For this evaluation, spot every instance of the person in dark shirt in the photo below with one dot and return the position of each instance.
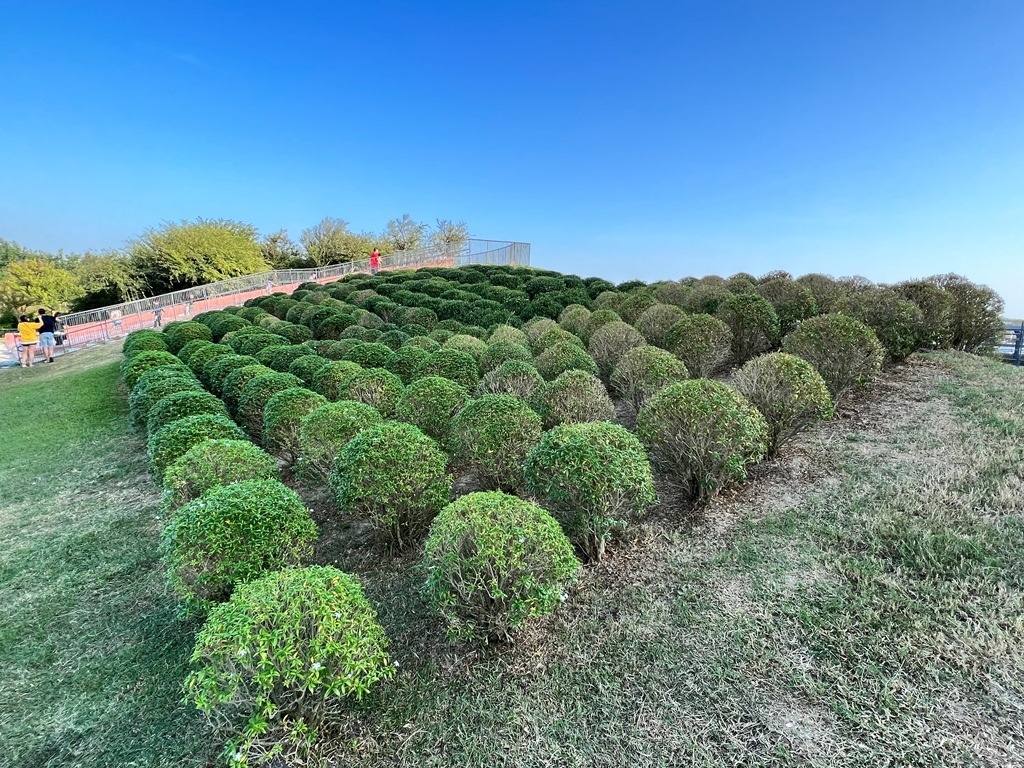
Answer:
(47, 341)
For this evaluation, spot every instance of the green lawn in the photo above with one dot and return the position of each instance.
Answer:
(860, 604)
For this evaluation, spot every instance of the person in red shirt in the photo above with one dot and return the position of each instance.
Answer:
(374, 261)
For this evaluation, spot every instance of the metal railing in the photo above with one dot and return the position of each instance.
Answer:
(1012, 344)
(104, 323)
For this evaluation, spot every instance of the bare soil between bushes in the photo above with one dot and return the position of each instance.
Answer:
(859, 602)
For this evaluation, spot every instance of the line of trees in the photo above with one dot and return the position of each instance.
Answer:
(178, 255)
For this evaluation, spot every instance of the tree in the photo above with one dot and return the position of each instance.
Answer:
(449, 235)
(331, 242)
(10, 251)
(31, 283)
(280, 251)
(177, 256)
(405, 234)
(107, 278)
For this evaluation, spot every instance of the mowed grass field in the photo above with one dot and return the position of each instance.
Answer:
(859, 603)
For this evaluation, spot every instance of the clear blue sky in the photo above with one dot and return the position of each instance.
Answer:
(622, 139)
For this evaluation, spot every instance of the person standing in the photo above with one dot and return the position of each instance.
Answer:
(158, 314)
(47, 339)
(115, 320)
(270, 286)
(374, 261)
(28, 333)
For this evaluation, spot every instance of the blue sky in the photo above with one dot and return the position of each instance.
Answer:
(622, 139)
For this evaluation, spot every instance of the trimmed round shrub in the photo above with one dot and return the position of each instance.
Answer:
(702, 342)
(307, 366)
(643, 371)
(574, 319)
(702, 435)
(338, 349)
(324, 432)
(225, 324)
(236, 339)
(171, 442)
(897, 322)
(452, 364)
(573, 398)
(468, 344)
(394, 339)
(406, 362)
(282, 420)
(143, 341)
(148, 393)
(936, 305)
(256, 344)
(281, 358)
(233, 534)
(793, 302)
(499, 352)
(706, 298)
(592, 477)
(185, 353)
(219, 368)
(976, 314)
(610, 342)
(753, 322)
(236, 382)
(180, 334)
(553, 336)
(788, 392)
(153, 375)
(213, 463)
(508, 333)
(441, 335)
(133, 367)
(844, 351)
(395, 475)
(672, 293)
(537, 327)
(515, 377)
(256, 395)
(295, 333)
(431, 403)
(423, 342)
(284, 658)
(330, 380)
(377, 387)
(178, 405)
(655, 322)
(495, 562)
(492, 436)
(197, 360)
(634, 304)
(371, 355)
(564, 356)
(597, 319)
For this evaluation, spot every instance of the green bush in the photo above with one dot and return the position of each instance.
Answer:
(656, 321)
(186, 352)
(703, 435)
(281, 358)
(197, 360)
(180, 334)
(431, 403)
(458, 366)
(406, 361)
(936, 306)
(897, 322)
(226, 324)
(492, 436)
(825, 290)
(162, 372)
(219, 368)
(495, 562)
(468, 344)
(133, 367)
(212, 463)
(793, 302)
(788, 392)
(331, 380)
(598, 318)
(510, 334)
(376, 387)
(143, 341)
(537, 327)
(325, 431)
(282, 420)
(573, 398)
(423, 342)
(236, 339)
(515, 377)
(610, 342)
(307, 367)
(498, 352)
(233, 534)
(706, 298)
(553, 336)
(441, 335)
(255, 396)
(643, 371)
(592, 477)
(394, 339)
(844, 351)
(574, 319)
(976, 314)
(338, 349)
(753, 323)
(370, 355)
(171, 442)
(702, 342)
(634, 304)
(673, 293)
(148, 393)
(395, 475)
(178, 405)
(295, 333)
(564, 356)
(283, 659)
